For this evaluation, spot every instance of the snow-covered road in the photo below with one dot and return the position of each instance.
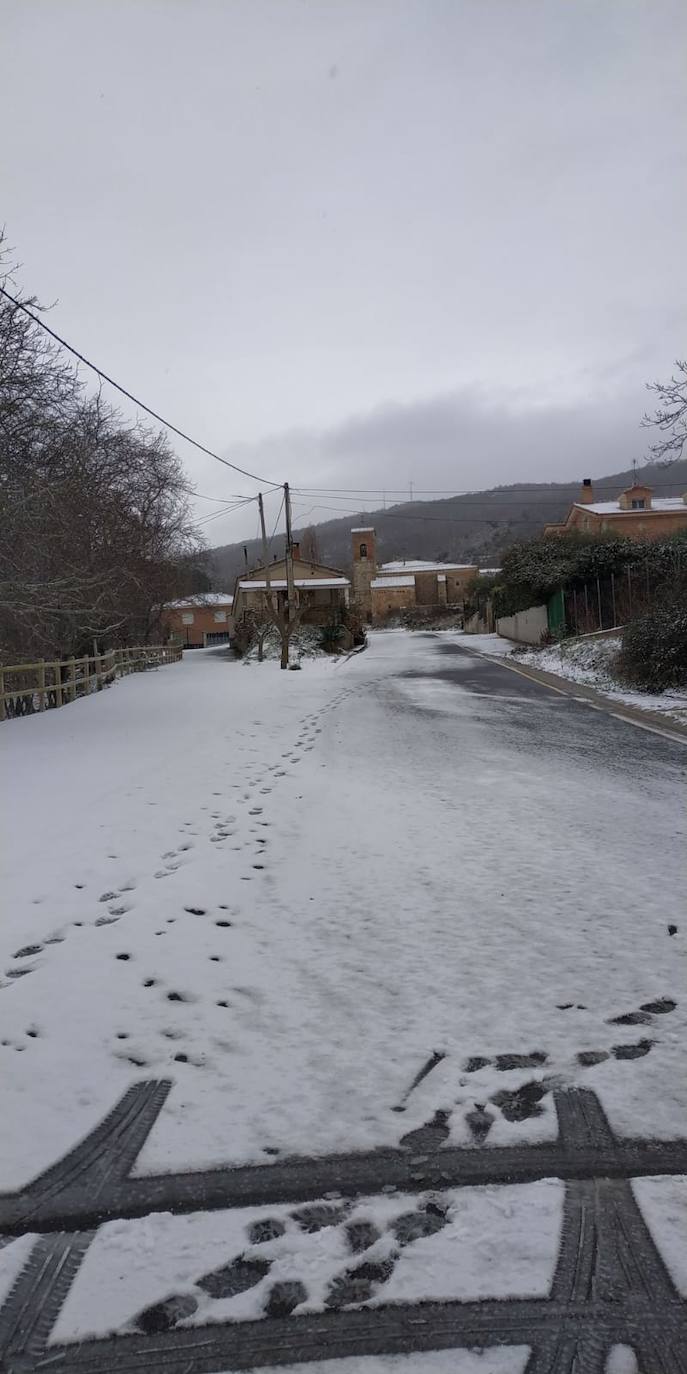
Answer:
(289, 893)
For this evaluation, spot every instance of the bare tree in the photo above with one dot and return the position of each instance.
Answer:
(310, 549)
(95, 512)
(254, 630)
(670, 416)
(286, 625)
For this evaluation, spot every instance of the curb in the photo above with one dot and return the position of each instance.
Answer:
(653, 721)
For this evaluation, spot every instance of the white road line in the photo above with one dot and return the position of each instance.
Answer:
(594, 705)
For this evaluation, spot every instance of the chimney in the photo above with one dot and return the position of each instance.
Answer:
(587, 493)
(296, 549)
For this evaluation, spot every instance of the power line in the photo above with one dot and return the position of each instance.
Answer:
(502, 493)
(129, 395)
(274, 528)
(226, 510)
(221, 500)
(341, 511)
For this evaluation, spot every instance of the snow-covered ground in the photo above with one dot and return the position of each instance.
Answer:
(285, 891)
(590, 662)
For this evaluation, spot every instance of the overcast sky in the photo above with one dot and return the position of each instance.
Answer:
(359, 243)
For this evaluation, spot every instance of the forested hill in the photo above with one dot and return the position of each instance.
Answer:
(472, 528)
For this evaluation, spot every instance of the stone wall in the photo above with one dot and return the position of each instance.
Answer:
(386, 600)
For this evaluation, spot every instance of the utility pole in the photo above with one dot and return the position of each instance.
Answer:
(268, 594)
(261, 508)
(290, 583)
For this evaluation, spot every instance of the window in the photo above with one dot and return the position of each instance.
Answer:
(638, 503)
(187, 617)
(220, 617)
(363, 550)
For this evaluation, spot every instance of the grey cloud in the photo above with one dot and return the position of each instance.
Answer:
(480, 217)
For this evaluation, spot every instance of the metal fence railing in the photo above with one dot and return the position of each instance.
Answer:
(609, 600)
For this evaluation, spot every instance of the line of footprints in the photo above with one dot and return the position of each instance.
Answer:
(119, 901)
(356, 1283)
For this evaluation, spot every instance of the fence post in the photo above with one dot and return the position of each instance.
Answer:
(71, 680)
(613, 599)
(2, 695)
(41, 686)
(98, 673)
(58, 683)
(87, 674)
(598, 601)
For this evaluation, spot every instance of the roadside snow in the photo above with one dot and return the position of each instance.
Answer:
(337, 882)
(495, 645)
(590, 661)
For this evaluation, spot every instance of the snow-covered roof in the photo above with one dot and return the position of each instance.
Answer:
(378, 582)
(489, 572)
(363, 529)
(419, 565)
(661, 504)
(202, 599)
(278, 584)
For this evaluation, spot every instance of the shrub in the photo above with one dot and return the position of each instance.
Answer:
(654, 649)
(535, 568)
(330, 637)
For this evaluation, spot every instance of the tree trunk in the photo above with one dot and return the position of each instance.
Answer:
(284, 652)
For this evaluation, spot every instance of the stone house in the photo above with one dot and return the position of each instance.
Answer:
(322, 593)
(379, 590)
(197, 621)
(636, 514)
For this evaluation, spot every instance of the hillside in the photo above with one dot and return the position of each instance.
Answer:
(472, 528)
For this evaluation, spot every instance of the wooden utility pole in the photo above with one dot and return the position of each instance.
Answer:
(261, 508)
(290, 582)
(268, 593)
(282, 622)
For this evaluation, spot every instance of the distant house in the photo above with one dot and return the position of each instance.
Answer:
(379, 590)
(322, 593)
(636, 514)
(197, 621)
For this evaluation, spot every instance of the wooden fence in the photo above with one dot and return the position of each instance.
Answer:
(27, 688)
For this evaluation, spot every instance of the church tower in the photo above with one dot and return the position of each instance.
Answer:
(364, 568)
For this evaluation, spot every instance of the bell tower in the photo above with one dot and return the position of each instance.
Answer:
(364, 568)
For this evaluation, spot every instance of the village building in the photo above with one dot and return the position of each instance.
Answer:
(322, 593)
(636, 514)
(197, 621)
(380, 590)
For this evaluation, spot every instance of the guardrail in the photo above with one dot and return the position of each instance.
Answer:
(29, 688)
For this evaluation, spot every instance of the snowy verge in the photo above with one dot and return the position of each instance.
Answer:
(591, 663)
(494, 645)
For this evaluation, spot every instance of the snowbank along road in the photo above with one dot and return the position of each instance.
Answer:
(342, 1015)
